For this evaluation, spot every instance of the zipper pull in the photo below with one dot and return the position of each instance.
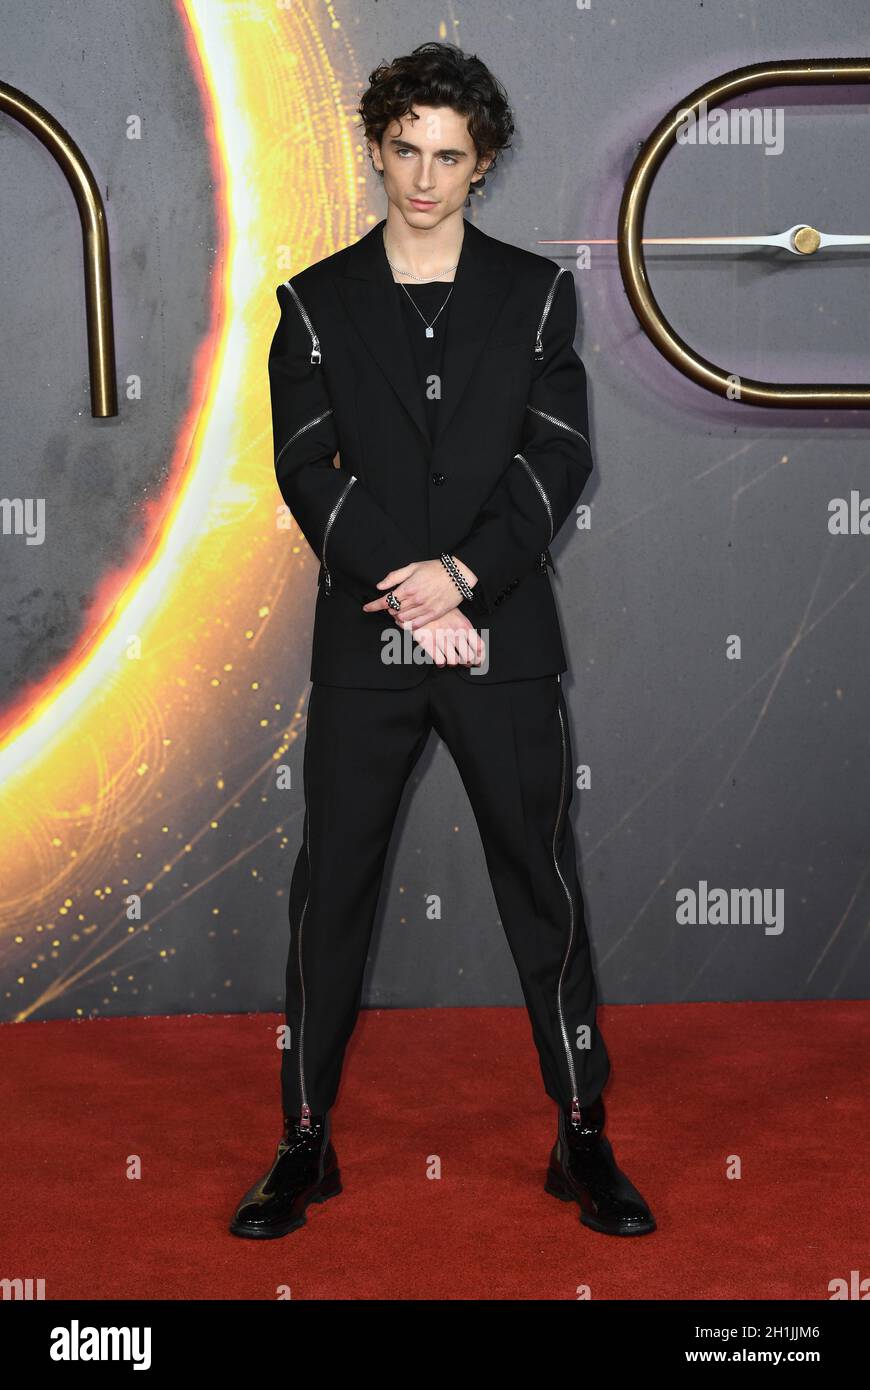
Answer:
(539, 347)
(576, 1117)
(327, 581)
(315, 352)
(305, 1117)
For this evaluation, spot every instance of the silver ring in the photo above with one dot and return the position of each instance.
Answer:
(393, 602)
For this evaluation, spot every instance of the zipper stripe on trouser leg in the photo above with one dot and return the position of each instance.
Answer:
(575, 1103)
(304, 1108)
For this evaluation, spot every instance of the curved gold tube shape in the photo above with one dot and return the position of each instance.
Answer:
(794, 72)
(95, 236)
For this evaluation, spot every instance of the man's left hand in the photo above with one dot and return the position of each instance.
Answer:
(425, 590)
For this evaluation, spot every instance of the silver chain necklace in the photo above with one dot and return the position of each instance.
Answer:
(430, 327)
(430, 330)
(395, 268)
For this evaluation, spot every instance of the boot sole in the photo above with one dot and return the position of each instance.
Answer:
(330, 1186)
(557, 1188)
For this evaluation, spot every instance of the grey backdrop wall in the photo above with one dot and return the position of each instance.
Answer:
(709, 519)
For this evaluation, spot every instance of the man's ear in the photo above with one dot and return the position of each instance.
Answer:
(481, 167)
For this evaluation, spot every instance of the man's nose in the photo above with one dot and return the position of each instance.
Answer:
(425, 178)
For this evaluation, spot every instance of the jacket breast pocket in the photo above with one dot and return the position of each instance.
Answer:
(515, 349)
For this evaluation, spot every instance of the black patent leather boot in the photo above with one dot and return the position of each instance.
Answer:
(583, 1169)
(305, 1170)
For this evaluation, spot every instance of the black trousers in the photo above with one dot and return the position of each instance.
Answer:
(511, 744)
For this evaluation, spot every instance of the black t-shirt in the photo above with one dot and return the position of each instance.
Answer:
(428, 353)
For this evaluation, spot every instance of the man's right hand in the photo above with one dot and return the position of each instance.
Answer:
(451, 640)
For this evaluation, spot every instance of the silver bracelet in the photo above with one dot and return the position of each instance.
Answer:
(457, 576)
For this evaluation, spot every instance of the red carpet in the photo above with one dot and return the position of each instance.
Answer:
(783, 1086)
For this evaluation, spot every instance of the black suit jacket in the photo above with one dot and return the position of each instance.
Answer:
(509, 460)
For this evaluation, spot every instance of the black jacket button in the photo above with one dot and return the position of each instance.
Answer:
(438, 479)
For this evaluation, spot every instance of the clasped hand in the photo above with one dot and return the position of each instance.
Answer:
(428, 598)
(425, 590)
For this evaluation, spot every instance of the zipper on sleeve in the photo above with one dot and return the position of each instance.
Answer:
(330, 521)
(541, 490)
(302, 428)
(315, 341)
(554, 420)
(539, 345)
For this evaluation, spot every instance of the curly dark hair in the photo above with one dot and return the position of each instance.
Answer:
(440, 74)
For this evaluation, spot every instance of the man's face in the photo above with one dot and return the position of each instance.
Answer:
(428, 164)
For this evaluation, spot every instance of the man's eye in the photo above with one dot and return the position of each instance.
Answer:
(446, 158)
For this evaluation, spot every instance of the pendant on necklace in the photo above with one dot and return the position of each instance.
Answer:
(430, 332)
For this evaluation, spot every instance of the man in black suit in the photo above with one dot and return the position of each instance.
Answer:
(438, 365)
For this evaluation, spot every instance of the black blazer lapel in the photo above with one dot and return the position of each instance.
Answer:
(368, 292)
